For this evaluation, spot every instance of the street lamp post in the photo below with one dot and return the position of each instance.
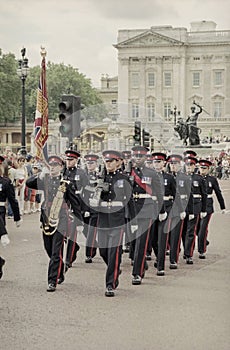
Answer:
(23, 71)
(175, 113)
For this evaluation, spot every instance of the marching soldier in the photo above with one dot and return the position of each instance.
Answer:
(148, 199)
(212, 187)
(199, 198)
(79, 180)
(6, 193)
(179, 208)
(59, 195)
(114, 204)
(162, 229)
(90, 226)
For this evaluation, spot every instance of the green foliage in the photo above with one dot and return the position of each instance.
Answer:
(10, 93)
(60, 79)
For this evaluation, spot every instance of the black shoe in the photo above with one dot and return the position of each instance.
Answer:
(136, 280)
(109, 292)
(61, 279)
(126, 250)
(146, 266)
(167, 252)
(2, 262)
(202, 256)
(173, 266)
(88, 260)
(160, 273)
(148, 257)
(155, 264)
(189, 261)
(67, 267)
(51, 287)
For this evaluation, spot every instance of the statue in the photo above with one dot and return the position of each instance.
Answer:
(188, 129)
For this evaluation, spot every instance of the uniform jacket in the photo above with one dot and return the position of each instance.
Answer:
(116, 204)
(184, 187)
(50, 187)
(147, 181)
(198, 193)
(7, 192)
(213, 185)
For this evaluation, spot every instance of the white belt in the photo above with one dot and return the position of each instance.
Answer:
(141, 195)
(2, 204)
(209, 195)
(167, 198)
(112, 204)
(183, 196)
(197, 196)
(77, 192)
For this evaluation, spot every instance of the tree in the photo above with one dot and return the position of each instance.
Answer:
(61, 79)
(10, 92)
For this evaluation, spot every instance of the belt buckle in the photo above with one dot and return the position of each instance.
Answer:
(109, 204)
(136, 195)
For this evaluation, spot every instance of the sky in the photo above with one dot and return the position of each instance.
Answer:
(81, 33)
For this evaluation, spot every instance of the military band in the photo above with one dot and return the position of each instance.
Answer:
(149, 201)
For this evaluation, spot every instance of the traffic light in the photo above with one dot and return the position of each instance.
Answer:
(137, 133)
(152, 144)
(70, 116)
(145, 138)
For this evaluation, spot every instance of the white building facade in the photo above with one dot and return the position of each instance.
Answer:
(162, 70)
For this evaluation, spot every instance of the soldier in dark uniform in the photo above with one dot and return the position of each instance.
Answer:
(180, 205)
(90, 226)
(199, 198)
(54, 233)
(79, 180)
(149, 206)
(6, 193)
(212, 185)
(115, 202)
(162, 229)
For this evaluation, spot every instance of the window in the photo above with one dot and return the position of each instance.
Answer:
(167, 110)
(151, 79)
(196, 79)
(135, 111)
(218, 78)
(135, 80)
(167, 79)
(150, 112)
(217, 109)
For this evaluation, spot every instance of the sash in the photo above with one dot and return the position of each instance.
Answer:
(145, 187)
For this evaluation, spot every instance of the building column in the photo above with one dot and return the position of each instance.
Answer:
(123, 88)
(142, 95)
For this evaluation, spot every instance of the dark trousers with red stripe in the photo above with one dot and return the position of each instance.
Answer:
(175, 238)
(160, 239)
(141, 245)
(54, 247)
(91, 242)
(190, 236)
(110, 247)
(203, 233)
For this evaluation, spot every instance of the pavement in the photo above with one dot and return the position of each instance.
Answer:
(187, 309)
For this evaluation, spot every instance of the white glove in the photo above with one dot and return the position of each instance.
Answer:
(191, 216)
(86, 214)
(203, 214)
(134, 228)
(5, 240)
(163, 216)
(18, 223)
(223, 211)
(45, 170)
(182, 215)
(80, 229)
